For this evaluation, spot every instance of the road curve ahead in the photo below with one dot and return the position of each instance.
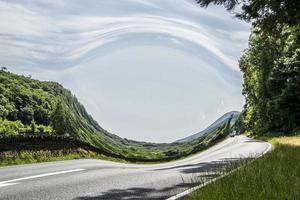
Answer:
(98, 179)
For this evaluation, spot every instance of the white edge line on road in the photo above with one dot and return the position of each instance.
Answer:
(14, 181)
(188, 191)
(266, 151)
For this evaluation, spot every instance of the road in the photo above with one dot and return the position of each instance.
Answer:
(89, 179)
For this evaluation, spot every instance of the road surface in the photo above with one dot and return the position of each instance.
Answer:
(88, 179)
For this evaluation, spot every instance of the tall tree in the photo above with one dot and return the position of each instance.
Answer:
(61, 119)
(271, 71)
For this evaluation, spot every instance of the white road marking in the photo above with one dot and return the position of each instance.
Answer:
(16, 181)
(266, 151)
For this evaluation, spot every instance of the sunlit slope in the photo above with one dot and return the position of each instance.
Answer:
(37, 109)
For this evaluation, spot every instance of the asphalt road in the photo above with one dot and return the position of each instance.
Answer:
(97, 179)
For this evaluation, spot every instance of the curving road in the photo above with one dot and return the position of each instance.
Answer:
(98, 179)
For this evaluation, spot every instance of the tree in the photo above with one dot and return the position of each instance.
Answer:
(41, 115)
(267, 13)
(3, 68)
(25, 114)
(58, 119)
(33, 127)
(61, 119)
(271, 72)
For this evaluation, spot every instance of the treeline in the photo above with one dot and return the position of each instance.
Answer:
(270, 64)
(271, 71)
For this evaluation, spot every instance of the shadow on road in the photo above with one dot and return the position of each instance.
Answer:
(205, 167)
(137, 193)
(253, 140)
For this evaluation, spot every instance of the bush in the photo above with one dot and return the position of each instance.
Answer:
(8, 128)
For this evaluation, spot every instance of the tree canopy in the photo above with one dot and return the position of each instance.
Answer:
(266, 13)
(271, 72)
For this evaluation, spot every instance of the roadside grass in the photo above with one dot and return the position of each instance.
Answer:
(293, 140)
(45, 151)
(29, 157)
(276, 175)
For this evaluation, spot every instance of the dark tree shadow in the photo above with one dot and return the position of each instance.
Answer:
(254, 140)
(130, 194)
(204, 167)
(137, 193)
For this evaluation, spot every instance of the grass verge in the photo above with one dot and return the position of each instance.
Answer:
(275, 175)
(45, 151)
(29, 157)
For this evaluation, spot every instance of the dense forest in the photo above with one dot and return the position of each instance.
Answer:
(33, 111)
(270, 65)
(271, 70)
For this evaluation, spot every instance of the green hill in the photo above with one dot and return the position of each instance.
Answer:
(35, 112)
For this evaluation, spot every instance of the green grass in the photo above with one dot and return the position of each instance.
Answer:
(275, 175)
(29, 157)
(44, 151)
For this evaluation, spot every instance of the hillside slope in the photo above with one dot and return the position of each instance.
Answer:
(38, 109)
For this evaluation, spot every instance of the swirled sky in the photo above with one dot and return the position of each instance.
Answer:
(151, 70)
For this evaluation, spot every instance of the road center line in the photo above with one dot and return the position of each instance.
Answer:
(14, 181)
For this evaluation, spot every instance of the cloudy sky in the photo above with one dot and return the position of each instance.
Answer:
(152, 70)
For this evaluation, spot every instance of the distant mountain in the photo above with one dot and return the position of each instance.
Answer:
(218, 123)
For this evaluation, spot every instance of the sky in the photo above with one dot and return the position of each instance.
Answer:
(149, 70)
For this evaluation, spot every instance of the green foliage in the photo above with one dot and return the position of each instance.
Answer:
(239, 124)
(273, 176)
(10, 127)
(13, 128)
(61, 119)
(24, 99)
(271, 71)
(32, 156)
(269, 14)
(33, 127)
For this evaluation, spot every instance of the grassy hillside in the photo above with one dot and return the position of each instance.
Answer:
(33, 111)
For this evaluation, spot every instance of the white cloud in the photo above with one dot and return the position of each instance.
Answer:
(62, 40)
